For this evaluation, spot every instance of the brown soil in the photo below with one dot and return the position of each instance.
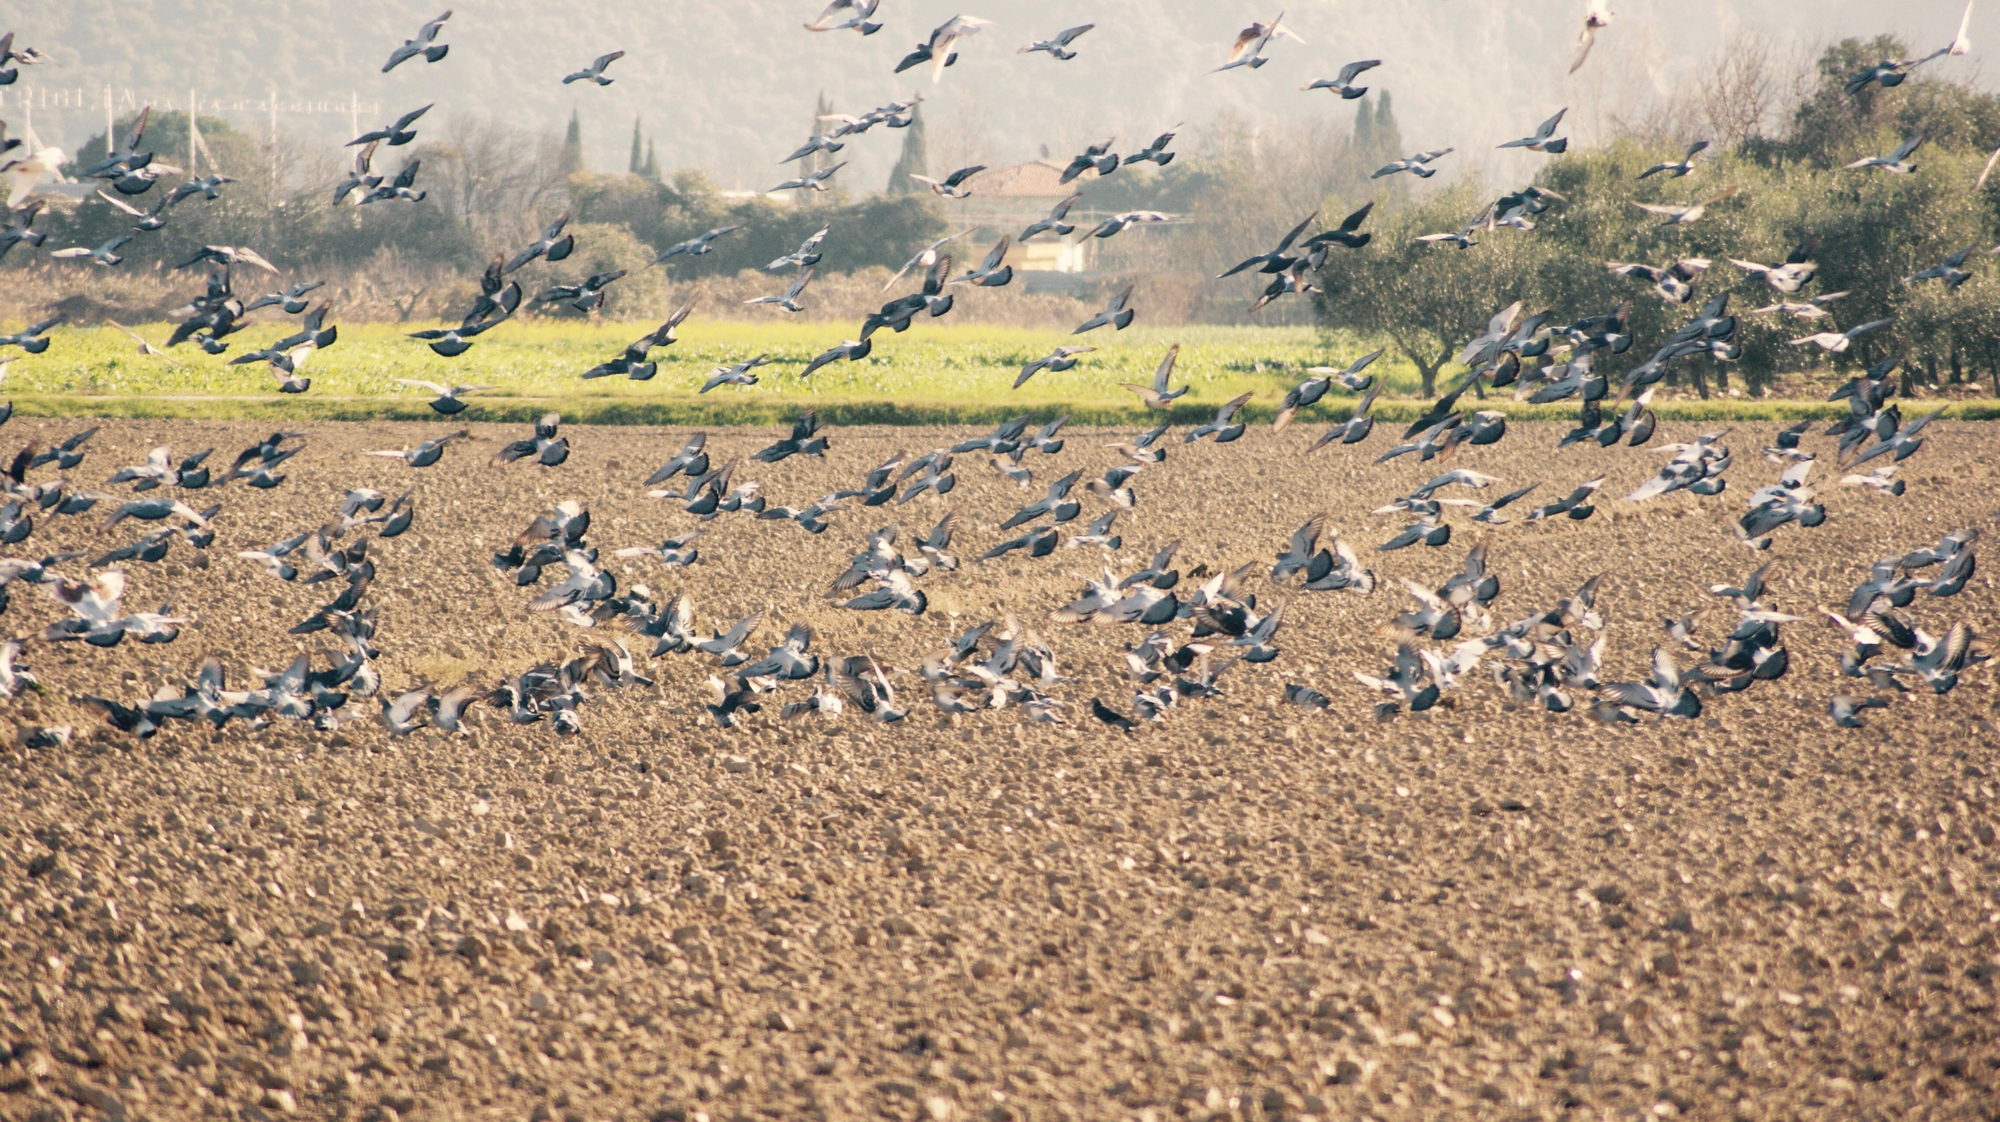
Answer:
(1246, 910)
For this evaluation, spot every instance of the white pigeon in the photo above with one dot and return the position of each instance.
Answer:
(1596, 14)
(24, 175)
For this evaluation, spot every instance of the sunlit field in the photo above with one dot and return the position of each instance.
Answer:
(930, 370)
(930, 374)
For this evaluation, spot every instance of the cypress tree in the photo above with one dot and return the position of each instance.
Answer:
(819, 161)
(572, 149)
(652, 171)
(1388, 137)
(637, 165)
(915, 159)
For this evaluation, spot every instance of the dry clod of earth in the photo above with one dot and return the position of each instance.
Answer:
(1248, 909)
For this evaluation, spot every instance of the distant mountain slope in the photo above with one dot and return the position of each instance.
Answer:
(729, 85)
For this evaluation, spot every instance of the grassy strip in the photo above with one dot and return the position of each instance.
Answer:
(544, 359)
(954, 374)
(691, 411)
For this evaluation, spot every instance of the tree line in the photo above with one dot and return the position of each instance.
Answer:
(1872, 231)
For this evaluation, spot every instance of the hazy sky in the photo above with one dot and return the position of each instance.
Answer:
(729, 85)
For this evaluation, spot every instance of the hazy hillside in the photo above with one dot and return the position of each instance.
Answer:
(729, 85)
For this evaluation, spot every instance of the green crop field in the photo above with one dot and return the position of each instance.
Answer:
(930, 372)
(933, 373)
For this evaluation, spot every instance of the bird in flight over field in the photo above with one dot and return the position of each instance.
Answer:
(1837, 342)
(1248, 50)
(1058, 47)
(396, 134)
(595, 71)
(424, 44)
(1597, 15)
(846, 15)
(951, 186)
(925, 258)
(1418, 165)
(1544, 138)
(941, 49)
(1343, 83)
(1687, 215)
(1116, 313)
(1157, 395)
(1895, 162)
(697, 245)
(1677, 169)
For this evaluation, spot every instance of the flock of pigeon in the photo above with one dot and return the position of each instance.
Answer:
(1291, 264)
(1550, 657)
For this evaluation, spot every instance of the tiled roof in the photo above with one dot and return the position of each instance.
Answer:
(1034, 179)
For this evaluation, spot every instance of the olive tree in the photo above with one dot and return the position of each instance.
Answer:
(1428, 299)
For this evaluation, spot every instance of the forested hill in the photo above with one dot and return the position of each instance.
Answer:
(729, 85)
